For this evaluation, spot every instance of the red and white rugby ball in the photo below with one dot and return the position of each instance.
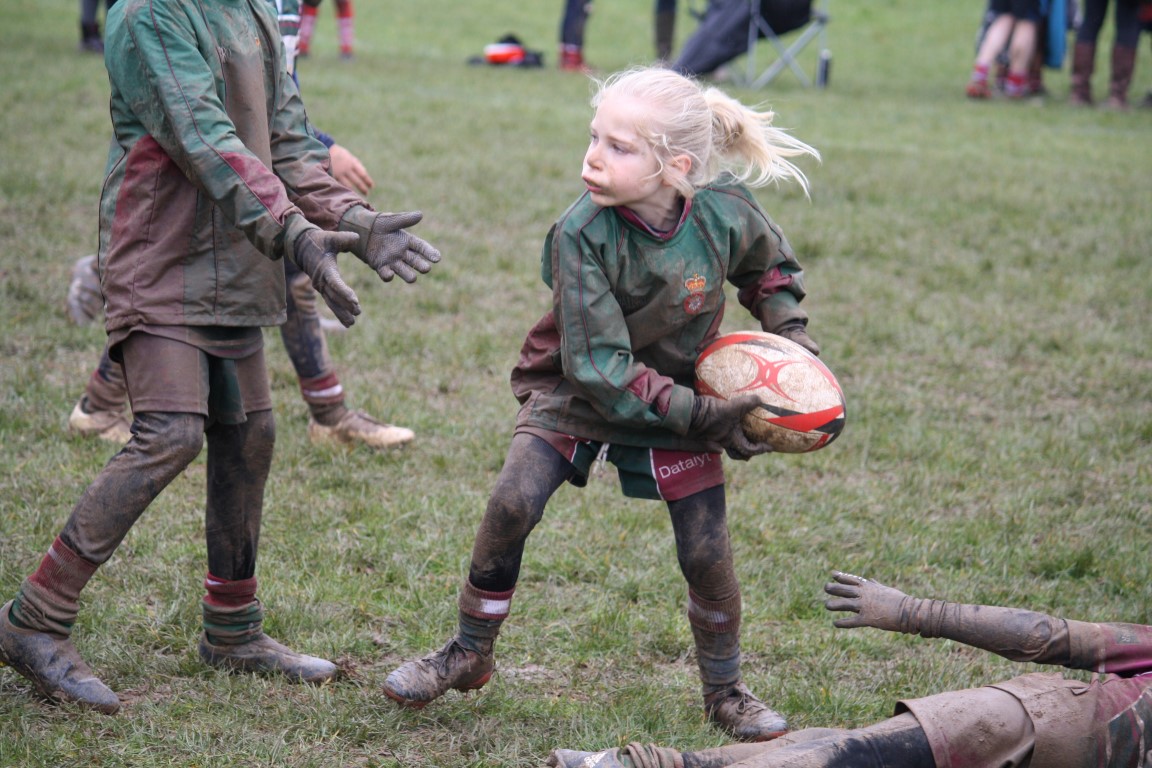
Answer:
(804, 406)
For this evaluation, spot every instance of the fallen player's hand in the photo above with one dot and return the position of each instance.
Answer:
(870, 603)
(386, 246)
(314, 251)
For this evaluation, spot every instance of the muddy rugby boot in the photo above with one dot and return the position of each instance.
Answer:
(53, 665)
(357, 427)
(415, 683)
(87, 421)
(737, 711)
(266, 656)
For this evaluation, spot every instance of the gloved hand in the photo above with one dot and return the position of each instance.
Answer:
(797, 332)
(872, 603)
(314, 251)
(386, 247)
(722, 422)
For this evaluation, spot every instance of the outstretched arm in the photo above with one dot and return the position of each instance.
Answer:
(1014, 633)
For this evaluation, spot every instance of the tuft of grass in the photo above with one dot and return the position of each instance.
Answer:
(977, 283)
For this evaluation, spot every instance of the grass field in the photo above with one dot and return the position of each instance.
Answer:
(979, 282)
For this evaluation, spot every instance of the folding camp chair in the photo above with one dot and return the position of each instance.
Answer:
(769, 19)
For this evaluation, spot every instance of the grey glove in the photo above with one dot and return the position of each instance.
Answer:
(85, 299)
(797, 332)
(871, 603)
(314, 251)
(386, 247)
(722, 422)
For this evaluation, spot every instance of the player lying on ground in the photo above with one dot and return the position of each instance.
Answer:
(1041, 719)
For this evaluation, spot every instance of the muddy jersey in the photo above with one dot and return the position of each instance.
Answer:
(212, 167)
(1101, 723)
(633, 308)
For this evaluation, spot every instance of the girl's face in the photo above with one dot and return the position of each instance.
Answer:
(621, 168)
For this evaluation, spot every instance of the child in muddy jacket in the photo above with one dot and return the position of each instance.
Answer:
(637, 266)
(213, 176)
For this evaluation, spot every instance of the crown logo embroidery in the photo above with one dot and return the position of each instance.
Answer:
(695, 301)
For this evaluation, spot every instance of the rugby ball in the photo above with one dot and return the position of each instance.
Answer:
(804, 407)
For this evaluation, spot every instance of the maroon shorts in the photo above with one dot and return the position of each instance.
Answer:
(645, 473)
(170, 376)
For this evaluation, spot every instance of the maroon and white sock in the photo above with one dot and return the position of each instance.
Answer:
(481, 614)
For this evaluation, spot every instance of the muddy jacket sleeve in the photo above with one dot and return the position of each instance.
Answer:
(765, 270)
(1121, 649)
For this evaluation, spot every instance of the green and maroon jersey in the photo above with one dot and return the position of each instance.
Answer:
(212, 166)
(632, 308)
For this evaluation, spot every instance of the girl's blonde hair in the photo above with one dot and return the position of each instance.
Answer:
(716, 131)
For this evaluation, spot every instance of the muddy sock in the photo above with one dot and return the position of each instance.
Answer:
(325, 398)
(231, 613)
(49, 599)
(481, 614)
(716, 630)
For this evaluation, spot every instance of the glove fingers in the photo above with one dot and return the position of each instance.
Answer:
(395, 221)
(338, 296)
(405, 271)
(425, 249)
(739, 446)
(842, 604)
(385, 273)
(340, 242)
(418, 262)
(842, 590)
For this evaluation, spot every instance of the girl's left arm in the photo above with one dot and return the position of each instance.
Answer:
(765, 270)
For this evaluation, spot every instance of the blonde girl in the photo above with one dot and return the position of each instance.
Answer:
(637, 267)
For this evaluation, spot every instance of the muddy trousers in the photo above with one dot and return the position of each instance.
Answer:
(898, 742)
(164, 444)
(532, 472)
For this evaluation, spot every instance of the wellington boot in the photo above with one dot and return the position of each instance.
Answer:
(415, 683)
(1123, 65)
(266, 656)
(1083, 63)
(53, 665)
(737, 711)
